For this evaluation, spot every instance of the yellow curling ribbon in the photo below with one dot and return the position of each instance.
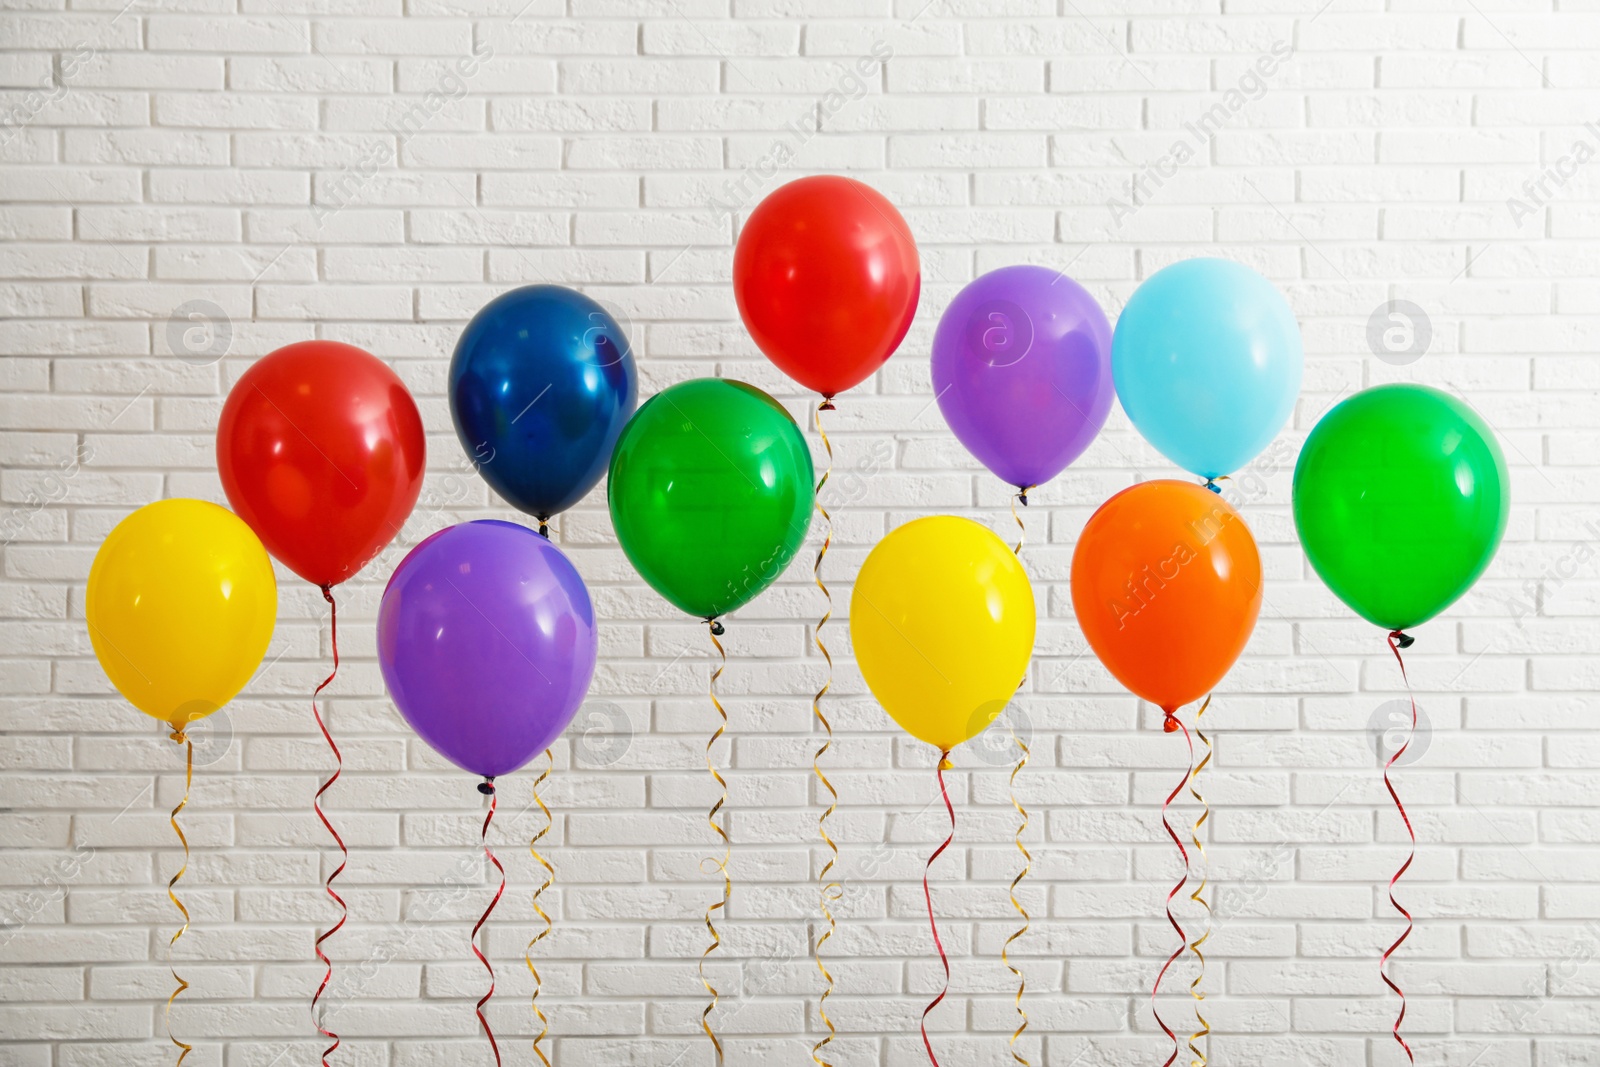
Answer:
(1021, 496)
(829, 890)
(727, 845)
(1195, 989)
(188, 780)
(1027, 864)
(549, 880)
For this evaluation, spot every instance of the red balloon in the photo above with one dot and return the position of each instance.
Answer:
(321, 451)
(827, 279)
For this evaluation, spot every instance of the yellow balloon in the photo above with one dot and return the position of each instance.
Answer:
(942, 620)
(181, 606)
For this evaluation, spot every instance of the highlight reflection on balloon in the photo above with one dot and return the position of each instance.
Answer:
(487, 643)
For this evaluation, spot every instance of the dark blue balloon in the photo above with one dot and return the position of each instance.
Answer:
(541, 384)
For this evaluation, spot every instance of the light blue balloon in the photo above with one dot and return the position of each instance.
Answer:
(1206, 359)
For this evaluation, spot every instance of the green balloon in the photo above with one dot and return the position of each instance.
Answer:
(711, 493)
(1401, 496)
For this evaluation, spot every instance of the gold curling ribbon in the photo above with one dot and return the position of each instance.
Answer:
(549, 880)
(721, 866)
(830, 890)
(1021, 496)
(1027, 864)
(188, 780)
(1195, 987)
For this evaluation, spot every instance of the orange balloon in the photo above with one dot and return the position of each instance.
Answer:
(1166, 583)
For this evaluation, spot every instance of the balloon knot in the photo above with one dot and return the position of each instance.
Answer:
(827, 404)
(1170, 723)
(486, 787)
(1213, 486)
(716, 628)
(1404, 640)
(944, 762)
(544, 529)
(1022, 498)
(178, 735)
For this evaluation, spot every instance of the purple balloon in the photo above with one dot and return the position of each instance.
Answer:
(487, 642)
(1022, 371)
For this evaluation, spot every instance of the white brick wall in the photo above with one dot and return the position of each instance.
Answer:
(373, 171)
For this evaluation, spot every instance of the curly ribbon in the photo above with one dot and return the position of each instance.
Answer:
(549, 880)
(1196, 987)
(829, 889)
(487, 787)
(1021, 497)
(1397, 641)
(715, 628)
(344, 853)
(927, 894)
(1172, 724)
(188, 780)
(1027, 864)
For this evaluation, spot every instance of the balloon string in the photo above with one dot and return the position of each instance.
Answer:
(549, 880)
(188, 780)
(927, 894)
(1021, 496)
(830, 890)
(1171, 725)
(727, 844)
(494, 801)
(344, 853)
(1027, 864)
(1196, 987)
(1397, 641)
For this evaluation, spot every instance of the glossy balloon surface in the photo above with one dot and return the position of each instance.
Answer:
(942, 619)
(1401, 497)
(181, 606)
(1166, 585)
(321, 451)
(711, 491)
(487, 643)
(1022, 371)
(827, 278)
(541, 383)
(1207, 360)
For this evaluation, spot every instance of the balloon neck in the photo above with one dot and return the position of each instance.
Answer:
(1213, 486)
(944, 762)
(827, 404)
(486, 787)
(1170, 723)
(177, 733)
(544, 529)
(716, 628)
(1402, 639)
(1022, 494)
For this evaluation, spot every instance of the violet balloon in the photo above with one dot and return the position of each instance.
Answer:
(487, 642)
(1022, 371)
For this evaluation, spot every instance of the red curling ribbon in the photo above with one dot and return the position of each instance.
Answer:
(1172, 724)
(344, 853)
(1383, 965)
(927, 894)
(489, 852)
